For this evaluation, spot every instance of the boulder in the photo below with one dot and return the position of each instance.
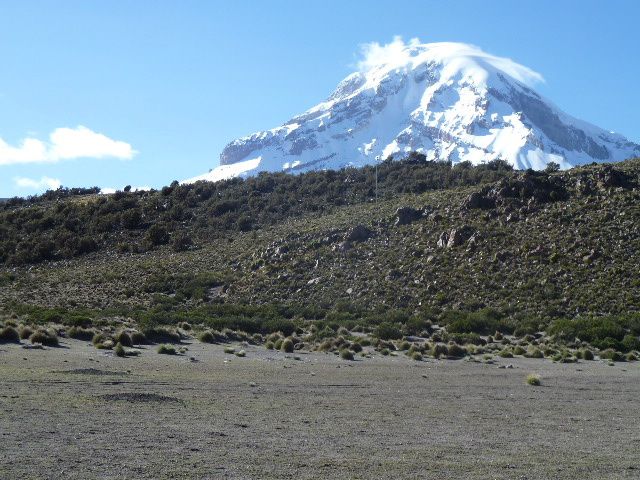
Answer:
(359, 233)
(459, 236)
(407, 215)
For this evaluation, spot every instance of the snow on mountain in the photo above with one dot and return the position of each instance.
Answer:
(450, 101)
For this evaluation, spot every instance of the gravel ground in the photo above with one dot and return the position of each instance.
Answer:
(76, 412)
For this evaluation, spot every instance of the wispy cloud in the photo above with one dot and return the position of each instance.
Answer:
(45, 183)
(65, 144)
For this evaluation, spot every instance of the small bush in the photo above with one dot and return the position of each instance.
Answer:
(613, 355)
(505, 353)
(387, 331)
(534, 352)
(119, 350)
(161, 335)
(9, 335)
(518, 350)
(287, 345)
(631, 357)
(385, 352)
(229, 350)
(346, 354)
(138, 338)
(45, 337)
(417, 356)
(124, 338)
(207, 337)
(80, 333)
(439, 350)
(167, 349)
(533, 379)
(456, 351)
(25, 333)
(269, 345)
(587, 354)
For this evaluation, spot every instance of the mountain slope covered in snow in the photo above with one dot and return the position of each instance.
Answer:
(450, 101)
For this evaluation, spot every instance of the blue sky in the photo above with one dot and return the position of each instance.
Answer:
(160, 87)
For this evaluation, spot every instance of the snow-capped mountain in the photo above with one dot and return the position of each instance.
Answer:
(450, 101)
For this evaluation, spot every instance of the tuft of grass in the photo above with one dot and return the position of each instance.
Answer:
(26, 332)
(439, 350)
(44, 337)
(534, 352)
(533, 379)
(80, 333)
(287, 345)
(207, 337)
(124, 338)
(506, 353)
(138, 338)
(119, 350)
(456, 351)
(417, 356)
(269, 345)
(166, 349)
(9, 334)
(346, 354)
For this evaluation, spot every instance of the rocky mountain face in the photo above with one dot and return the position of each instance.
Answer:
(449, 101)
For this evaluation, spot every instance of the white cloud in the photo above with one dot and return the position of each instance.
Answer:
(65, 144)
(398, 53)
(45, 183)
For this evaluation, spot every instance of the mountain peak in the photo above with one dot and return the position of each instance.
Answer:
(450, 101)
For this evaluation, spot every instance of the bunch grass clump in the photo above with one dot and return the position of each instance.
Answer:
(9, 334)
(44, 337)
(534, 379)
(166, 349)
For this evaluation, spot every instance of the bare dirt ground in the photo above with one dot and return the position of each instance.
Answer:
(75, 412)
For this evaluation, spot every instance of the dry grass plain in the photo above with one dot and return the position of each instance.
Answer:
(77, 412)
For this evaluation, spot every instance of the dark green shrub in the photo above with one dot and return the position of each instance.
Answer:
(9, 335)
(161, 335)
(630, 342)
(387, 331)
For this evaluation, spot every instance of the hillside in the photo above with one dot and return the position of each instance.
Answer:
(532, 247)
